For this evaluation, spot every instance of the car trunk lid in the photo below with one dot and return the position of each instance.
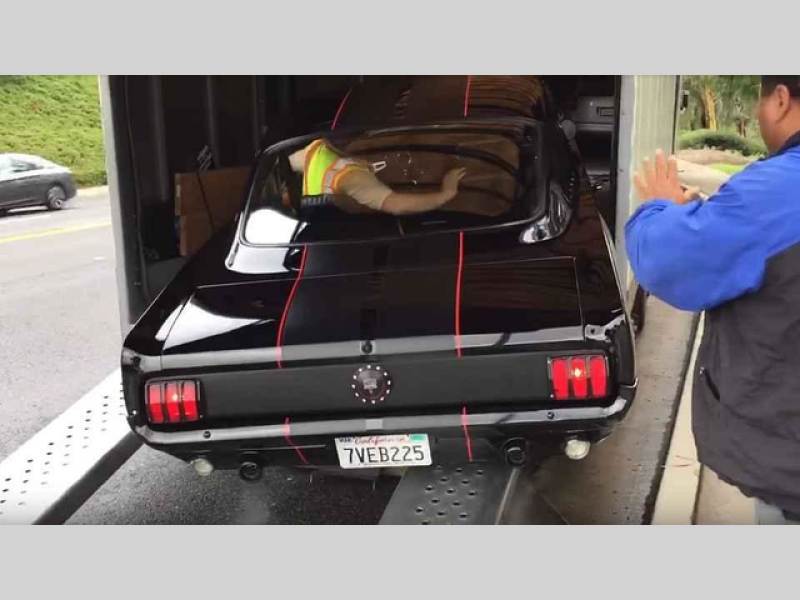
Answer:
(470, 307)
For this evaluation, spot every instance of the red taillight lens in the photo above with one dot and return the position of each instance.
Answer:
(559, 377)
(172, 402)
(579, 377)
(155, 409)
(189, 401)
(598, 373)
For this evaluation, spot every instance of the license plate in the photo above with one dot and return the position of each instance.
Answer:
(375, 451)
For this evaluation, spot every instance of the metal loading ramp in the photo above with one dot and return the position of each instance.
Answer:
(478, 493)
(46, 479)
(449, 495)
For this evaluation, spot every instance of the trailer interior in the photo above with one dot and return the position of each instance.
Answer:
(169, 129)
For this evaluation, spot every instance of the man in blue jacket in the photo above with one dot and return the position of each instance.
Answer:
(737, 256)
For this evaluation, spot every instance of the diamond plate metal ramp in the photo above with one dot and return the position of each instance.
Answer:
(47, 478)
(486, 491)
(442, 495)
(478, 493)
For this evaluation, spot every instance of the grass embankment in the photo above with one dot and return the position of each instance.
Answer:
(56, 117)
(728, 169)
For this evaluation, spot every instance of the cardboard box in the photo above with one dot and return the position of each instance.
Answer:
(224, 192)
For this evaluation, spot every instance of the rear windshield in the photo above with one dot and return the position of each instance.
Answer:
(292, 193)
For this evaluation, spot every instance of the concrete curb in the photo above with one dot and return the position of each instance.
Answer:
(691, 494)
(93, 192)
(677, 494)
(719, 503)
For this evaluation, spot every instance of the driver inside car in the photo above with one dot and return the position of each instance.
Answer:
(327, 171)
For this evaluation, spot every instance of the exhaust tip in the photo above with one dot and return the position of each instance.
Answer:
(577, 449)
(250, 471)
(516, 456)
(202, 466)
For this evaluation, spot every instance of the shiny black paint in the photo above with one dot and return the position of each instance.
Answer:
(218, 321)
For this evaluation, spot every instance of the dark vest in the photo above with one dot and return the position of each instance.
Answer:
(746, 396)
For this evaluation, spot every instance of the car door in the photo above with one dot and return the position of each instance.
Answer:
(24, 182)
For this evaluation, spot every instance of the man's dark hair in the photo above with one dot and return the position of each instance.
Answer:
(770, 82)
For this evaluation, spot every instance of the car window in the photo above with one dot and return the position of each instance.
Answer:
(499, 185)
(5, 165)
(22, 166)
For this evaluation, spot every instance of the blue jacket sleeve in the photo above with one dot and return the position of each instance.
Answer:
(697, 255)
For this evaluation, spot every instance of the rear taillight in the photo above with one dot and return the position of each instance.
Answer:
(189, 401)
(559, 377)
(155, 404)
(598, 376)
(578, 377)
(172, 402)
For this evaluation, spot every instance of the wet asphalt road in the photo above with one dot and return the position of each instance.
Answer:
(154, 488)
(59, 329)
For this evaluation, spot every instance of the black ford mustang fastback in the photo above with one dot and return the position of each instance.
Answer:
(311, 332)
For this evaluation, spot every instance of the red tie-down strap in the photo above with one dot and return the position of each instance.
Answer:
(340, 110)
(465, 427)
(287, 435)
(457, 301)
(287, 306)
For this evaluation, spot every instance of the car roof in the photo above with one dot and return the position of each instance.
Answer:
(27, 157)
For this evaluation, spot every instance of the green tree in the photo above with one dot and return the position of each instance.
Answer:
(702, 88)
(721, 102)
(738, 95)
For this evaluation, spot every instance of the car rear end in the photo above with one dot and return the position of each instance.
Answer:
(392, 367)
(378, 341)
(582, 403)
(70, 187)
(66, 179)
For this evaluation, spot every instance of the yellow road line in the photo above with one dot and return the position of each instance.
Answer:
(53, 231)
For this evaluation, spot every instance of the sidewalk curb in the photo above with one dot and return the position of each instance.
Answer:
(677, 495)
(690, 493)
(93, 192)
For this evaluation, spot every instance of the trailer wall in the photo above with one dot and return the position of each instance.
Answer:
(647, 122)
